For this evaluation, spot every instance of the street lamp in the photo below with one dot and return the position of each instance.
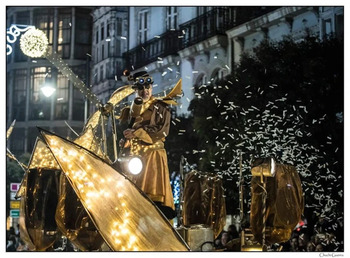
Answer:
(47, 90)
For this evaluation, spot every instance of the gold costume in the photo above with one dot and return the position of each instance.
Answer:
(151, 128)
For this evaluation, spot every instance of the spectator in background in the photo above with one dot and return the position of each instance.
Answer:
(319, 248)
(310, 247)
(294, 246)
(11, 244)
(232, 231)
(321, 225)
(224, 239)
(21, 246)
(303, 239)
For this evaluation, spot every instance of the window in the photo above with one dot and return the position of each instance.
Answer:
(203, 9)
(102, 31)
(101, 73)
(83, 35)
(327, 27)
(96, 36)
(19, 94)
(171, 17)
(118, 47)
(78, 105)
(339, 25)
(119, 26)
(95, 76)
(96, 56)
(64, 32)
(108, 71)
(202, 80)
(43, 20)
(39, 108)
(219, 75)
(108, 30)
(119, 68)
(143, 23)
(62, 97)
(103, 52)
(21, 18)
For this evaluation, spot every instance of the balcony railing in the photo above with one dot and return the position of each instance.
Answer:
(215, 22)
(209, 24)
(163, 45)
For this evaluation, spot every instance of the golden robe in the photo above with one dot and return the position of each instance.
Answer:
(151, 128)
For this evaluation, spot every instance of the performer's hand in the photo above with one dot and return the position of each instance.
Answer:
(124, 144)
(129, 133)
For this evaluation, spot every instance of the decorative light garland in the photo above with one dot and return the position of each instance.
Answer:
(12, 33)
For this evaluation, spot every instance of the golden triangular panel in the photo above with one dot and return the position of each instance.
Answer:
(88, 141)
(125, 217)
(42, 157)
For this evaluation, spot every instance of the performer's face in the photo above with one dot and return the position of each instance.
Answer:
(145, 93)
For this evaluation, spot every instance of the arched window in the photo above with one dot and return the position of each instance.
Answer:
(201, 80)
(219, 75)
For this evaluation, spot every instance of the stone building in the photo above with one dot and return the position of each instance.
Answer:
(203, 44)
(69, 33)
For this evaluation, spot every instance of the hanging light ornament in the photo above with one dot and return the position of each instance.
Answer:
(34, 43)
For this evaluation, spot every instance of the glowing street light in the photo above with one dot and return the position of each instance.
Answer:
(48, 90)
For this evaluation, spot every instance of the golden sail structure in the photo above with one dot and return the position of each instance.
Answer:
(45, 191)
(118, 95)
(39, 199)
(124, 216)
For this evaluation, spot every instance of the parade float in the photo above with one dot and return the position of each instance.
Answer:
(74, 189)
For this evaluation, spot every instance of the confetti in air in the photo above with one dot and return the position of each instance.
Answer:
(263, 118)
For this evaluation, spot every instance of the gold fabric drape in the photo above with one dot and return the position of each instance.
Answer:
(284, 204)
(124, 216)
(204, 202)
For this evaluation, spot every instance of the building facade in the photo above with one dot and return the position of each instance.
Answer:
(68, 30)
(203, 44)
(109, 42)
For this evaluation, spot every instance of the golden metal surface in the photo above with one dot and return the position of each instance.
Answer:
(124, 216)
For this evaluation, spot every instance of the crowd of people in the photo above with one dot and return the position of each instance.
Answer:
(13, 241)
(319, 237)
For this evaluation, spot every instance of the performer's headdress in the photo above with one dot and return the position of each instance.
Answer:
(141, 79)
